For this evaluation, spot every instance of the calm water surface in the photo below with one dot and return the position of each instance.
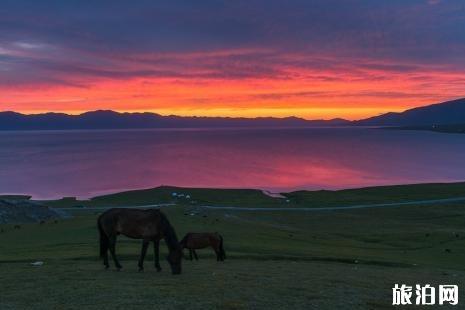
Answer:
(50, 164)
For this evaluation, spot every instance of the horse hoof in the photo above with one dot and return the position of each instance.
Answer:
(106, 267)
(141, 269)
(158, 269)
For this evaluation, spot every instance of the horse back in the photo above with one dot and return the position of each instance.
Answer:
(133, 223)
(200, 240)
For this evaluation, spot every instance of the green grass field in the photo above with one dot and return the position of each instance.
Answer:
(348, 259)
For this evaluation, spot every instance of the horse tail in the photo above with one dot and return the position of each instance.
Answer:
(222, 252)
(104, 242)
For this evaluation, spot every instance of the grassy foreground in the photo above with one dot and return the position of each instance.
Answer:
(347, 259)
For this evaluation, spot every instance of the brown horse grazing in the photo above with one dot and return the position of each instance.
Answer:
(148, 225)
(193, 241)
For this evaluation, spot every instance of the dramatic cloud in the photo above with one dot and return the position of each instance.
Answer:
(315, 59)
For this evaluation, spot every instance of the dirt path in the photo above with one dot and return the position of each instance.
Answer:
(306, 209)
(339, 208)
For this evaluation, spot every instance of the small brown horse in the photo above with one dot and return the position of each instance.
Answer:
(194, 241)
(148, 225)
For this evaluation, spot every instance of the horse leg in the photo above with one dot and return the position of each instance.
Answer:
(105, 260)
(220, 254)
(112, 245)
(156, 251)
(143, 252)
(195, 255)
(104, 244)
(221, 248)
(190, 254)
(217, 252)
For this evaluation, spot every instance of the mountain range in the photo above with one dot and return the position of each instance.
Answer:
(445, 113)
(114, 120)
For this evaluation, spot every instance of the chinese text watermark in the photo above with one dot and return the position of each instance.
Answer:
(425, 295)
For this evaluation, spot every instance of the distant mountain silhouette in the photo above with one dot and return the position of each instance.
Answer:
(445, 113)
(115, 120)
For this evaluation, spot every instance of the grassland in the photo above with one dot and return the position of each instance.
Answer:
(346, 259)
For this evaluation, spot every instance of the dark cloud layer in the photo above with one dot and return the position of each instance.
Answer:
(418, 29)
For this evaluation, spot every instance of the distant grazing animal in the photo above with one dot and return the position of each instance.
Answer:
(17, 227)
(194, 241)
(148, 225)
(42, 222)
(2, 230)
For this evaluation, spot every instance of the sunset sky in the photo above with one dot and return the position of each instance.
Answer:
(310, 58)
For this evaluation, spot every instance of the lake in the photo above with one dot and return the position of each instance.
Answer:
(52, 164)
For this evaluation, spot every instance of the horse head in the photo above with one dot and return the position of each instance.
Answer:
(174, 259)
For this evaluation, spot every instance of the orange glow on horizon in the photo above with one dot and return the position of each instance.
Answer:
(308, 93)
(313, 113)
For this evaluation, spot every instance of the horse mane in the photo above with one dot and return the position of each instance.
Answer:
(168, 231)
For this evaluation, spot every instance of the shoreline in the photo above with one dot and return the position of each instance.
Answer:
(269, 193)
(255, 199)
(450, 129)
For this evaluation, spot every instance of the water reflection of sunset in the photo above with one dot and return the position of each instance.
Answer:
(55, 164)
